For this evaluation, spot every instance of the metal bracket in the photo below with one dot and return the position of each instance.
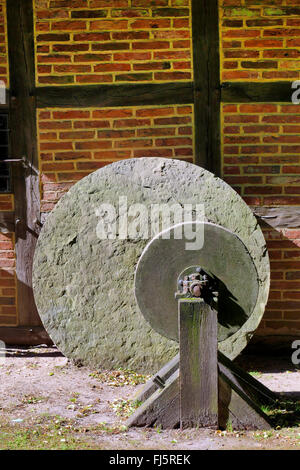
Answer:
(25, 163)
(159, 381)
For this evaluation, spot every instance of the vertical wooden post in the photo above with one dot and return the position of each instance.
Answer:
(198, 364)
(207, 89)
(23, 144)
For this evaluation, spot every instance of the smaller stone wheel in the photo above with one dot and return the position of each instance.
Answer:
(221, 254)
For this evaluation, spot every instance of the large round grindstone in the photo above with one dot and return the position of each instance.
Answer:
(84, 285)
(221, 254)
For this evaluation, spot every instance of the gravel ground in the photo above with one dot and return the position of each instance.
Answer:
(47, 402)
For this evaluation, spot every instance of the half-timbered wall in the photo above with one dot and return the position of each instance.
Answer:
(113, 42)
(74, 142)
(260, 44)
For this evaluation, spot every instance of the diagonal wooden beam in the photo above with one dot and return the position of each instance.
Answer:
(278, 216)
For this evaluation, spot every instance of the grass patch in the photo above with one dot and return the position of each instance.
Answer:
(283, 414)
(32, 400)
(53, 433)
(255, 374)
(47, 432)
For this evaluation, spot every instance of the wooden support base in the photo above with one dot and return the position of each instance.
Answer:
(238, 401)
(198, 364)
(175, 396)
(161, 408)
(24, 336)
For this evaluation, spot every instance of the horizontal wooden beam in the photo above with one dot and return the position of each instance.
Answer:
(157, 93)
(267, 92)
(114, 95)
(7, 221)
(24, 335)
(278, 217)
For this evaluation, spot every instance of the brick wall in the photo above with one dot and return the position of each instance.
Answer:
(100, 41)
(6, 202)
(105, 41)
(260, 40)
(8, 311)
(3, 43)
(75, 142)
(282, 312)
(261, 152)
(261, 160)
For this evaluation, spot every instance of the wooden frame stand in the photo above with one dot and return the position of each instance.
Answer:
(201, 387)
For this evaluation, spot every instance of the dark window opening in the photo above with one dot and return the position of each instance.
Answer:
(5, 174)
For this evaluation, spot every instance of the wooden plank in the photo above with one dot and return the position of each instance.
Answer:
(278, 216)
(115, 95)
(237, 410)
(245, 382)
(7, 221)
(160, 409)
(245, 92)
(169, 93)
(22, 117)
(145, 391)
(24, 336)
(198, 371)
(226, 366)
(205, 27)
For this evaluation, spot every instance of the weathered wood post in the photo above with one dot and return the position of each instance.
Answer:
(198, 364)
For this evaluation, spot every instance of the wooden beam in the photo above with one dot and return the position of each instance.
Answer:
(27, 336)
(151, 385)
(168, 93)
(278, 217)
(114, 95)
(245, 92)
(198, 364)
(237, 409)
(205, 26)
(161, 409)
(23, 144)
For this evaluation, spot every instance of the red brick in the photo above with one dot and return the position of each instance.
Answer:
(71, 114)
(68, 25)
(258, 108)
